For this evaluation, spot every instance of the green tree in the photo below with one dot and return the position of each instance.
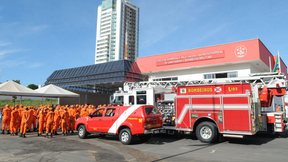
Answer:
(32, 86)
(17, 81)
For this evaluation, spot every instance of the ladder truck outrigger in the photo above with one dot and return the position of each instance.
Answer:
(212, 108)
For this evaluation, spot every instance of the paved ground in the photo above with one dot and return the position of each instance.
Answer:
(262, 147)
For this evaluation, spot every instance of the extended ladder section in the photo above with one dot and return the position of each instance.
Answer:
(271, 80)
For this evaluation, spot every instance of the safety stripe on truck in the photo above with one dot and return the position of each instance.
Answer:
(122, 118)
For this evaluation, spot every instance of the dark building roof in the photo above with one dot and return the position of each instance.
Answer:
(105, 76)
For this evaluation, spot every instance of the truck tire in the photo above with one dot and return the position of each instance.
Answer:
(82, 133)
(125, 136)
(207, 132)
(144, 137)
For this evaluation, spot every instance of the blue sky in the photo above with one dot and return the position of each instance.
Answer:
(38, 37)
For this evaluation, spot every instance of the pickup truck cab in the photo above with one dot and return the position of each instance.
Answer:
(125, 121)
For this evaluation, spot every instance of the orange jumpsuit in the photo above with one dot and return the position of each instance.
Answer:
(64, 118)
(84, 113)
(61, 111)
(24, 121)
(50, 120)
(56, 119)
(20, 110)
(6, 118)
(30, 122)
(37, 112)
(14, 121)
(71, 121)
(34, 119)
(41, 117)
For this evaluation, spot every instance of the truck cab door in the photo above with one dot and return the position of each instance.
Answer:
(95, 121)
(109, 119)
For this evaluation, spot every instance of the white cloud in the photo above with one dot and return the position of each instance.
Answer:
(212, 32)
(4, 44)
(158, 35)
(38, 28)
(5, 52)
(12, 63)
(35, 65)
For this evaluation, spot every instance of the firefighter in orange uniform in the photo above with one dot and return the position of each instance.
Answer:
(20, 110)
(30, 122)
(50, 120)
(84, 113)
(14, 121)
(56, 120)
(18, 118)
(6, 119)
(41, 117)
(71, 120)
(64, 119)
(38, 110)
(24, 122)
(61, 112)
(34, 119)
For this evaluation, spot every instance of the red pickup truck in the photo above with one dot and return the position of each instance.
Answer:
(125, 121)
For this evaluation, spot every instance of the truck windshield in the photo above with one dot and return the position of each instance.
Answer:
(119, 100)
(151, 111)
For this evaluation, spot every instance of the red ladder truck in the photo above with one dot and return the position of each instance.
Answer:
(214, 108)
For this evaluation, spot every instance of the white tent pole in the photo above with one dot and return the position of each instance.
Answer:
(42, 100)
(58, 101)
(20, 100)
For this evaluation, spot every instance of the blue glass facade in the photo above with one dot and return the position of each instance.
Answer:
(97, 76)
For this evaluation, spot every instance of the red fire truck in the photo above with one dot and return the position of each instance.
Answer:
(211, 108)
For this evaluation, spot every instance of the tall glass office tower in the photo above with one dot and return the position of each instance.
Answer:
(117, 35)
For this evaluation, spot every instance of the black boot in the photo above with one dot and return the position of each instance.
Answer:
(24, 136)
(43, 131)
(8, 132)
(55, 133)
(29, 130)
(46, 136)
(21, 135)
(72, 131)
(63, 134)
(34, 129)
(2, 132)
(12, 134)
(39, 135)
(16, 134)
(51, 135)
(66, 133)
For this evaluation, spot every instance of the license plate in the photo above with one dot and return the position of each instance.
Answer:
(156, 131)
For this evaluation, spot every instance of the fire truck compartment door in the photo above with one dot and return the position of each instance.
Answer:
(236, 113)
(183, 106)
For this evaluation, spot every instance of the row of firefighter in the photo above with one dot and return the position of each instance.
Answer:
(18, 119)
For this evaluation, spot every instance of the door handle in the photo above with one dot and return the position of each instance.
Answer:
(112, 119)
(100, 119)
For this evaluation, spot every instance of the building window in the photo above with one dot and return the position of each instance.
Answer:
(221, 75)
(166, 79)
(233, 75)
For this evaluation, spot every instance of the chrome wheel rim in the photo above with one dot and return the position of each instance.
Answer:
(205, 132)
(81, 131)
(124, 137)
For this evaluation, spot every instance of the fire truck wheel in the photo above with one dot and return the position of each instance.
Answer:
(125, 136)
(144, 137)
(82, 133)
(207, 132)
